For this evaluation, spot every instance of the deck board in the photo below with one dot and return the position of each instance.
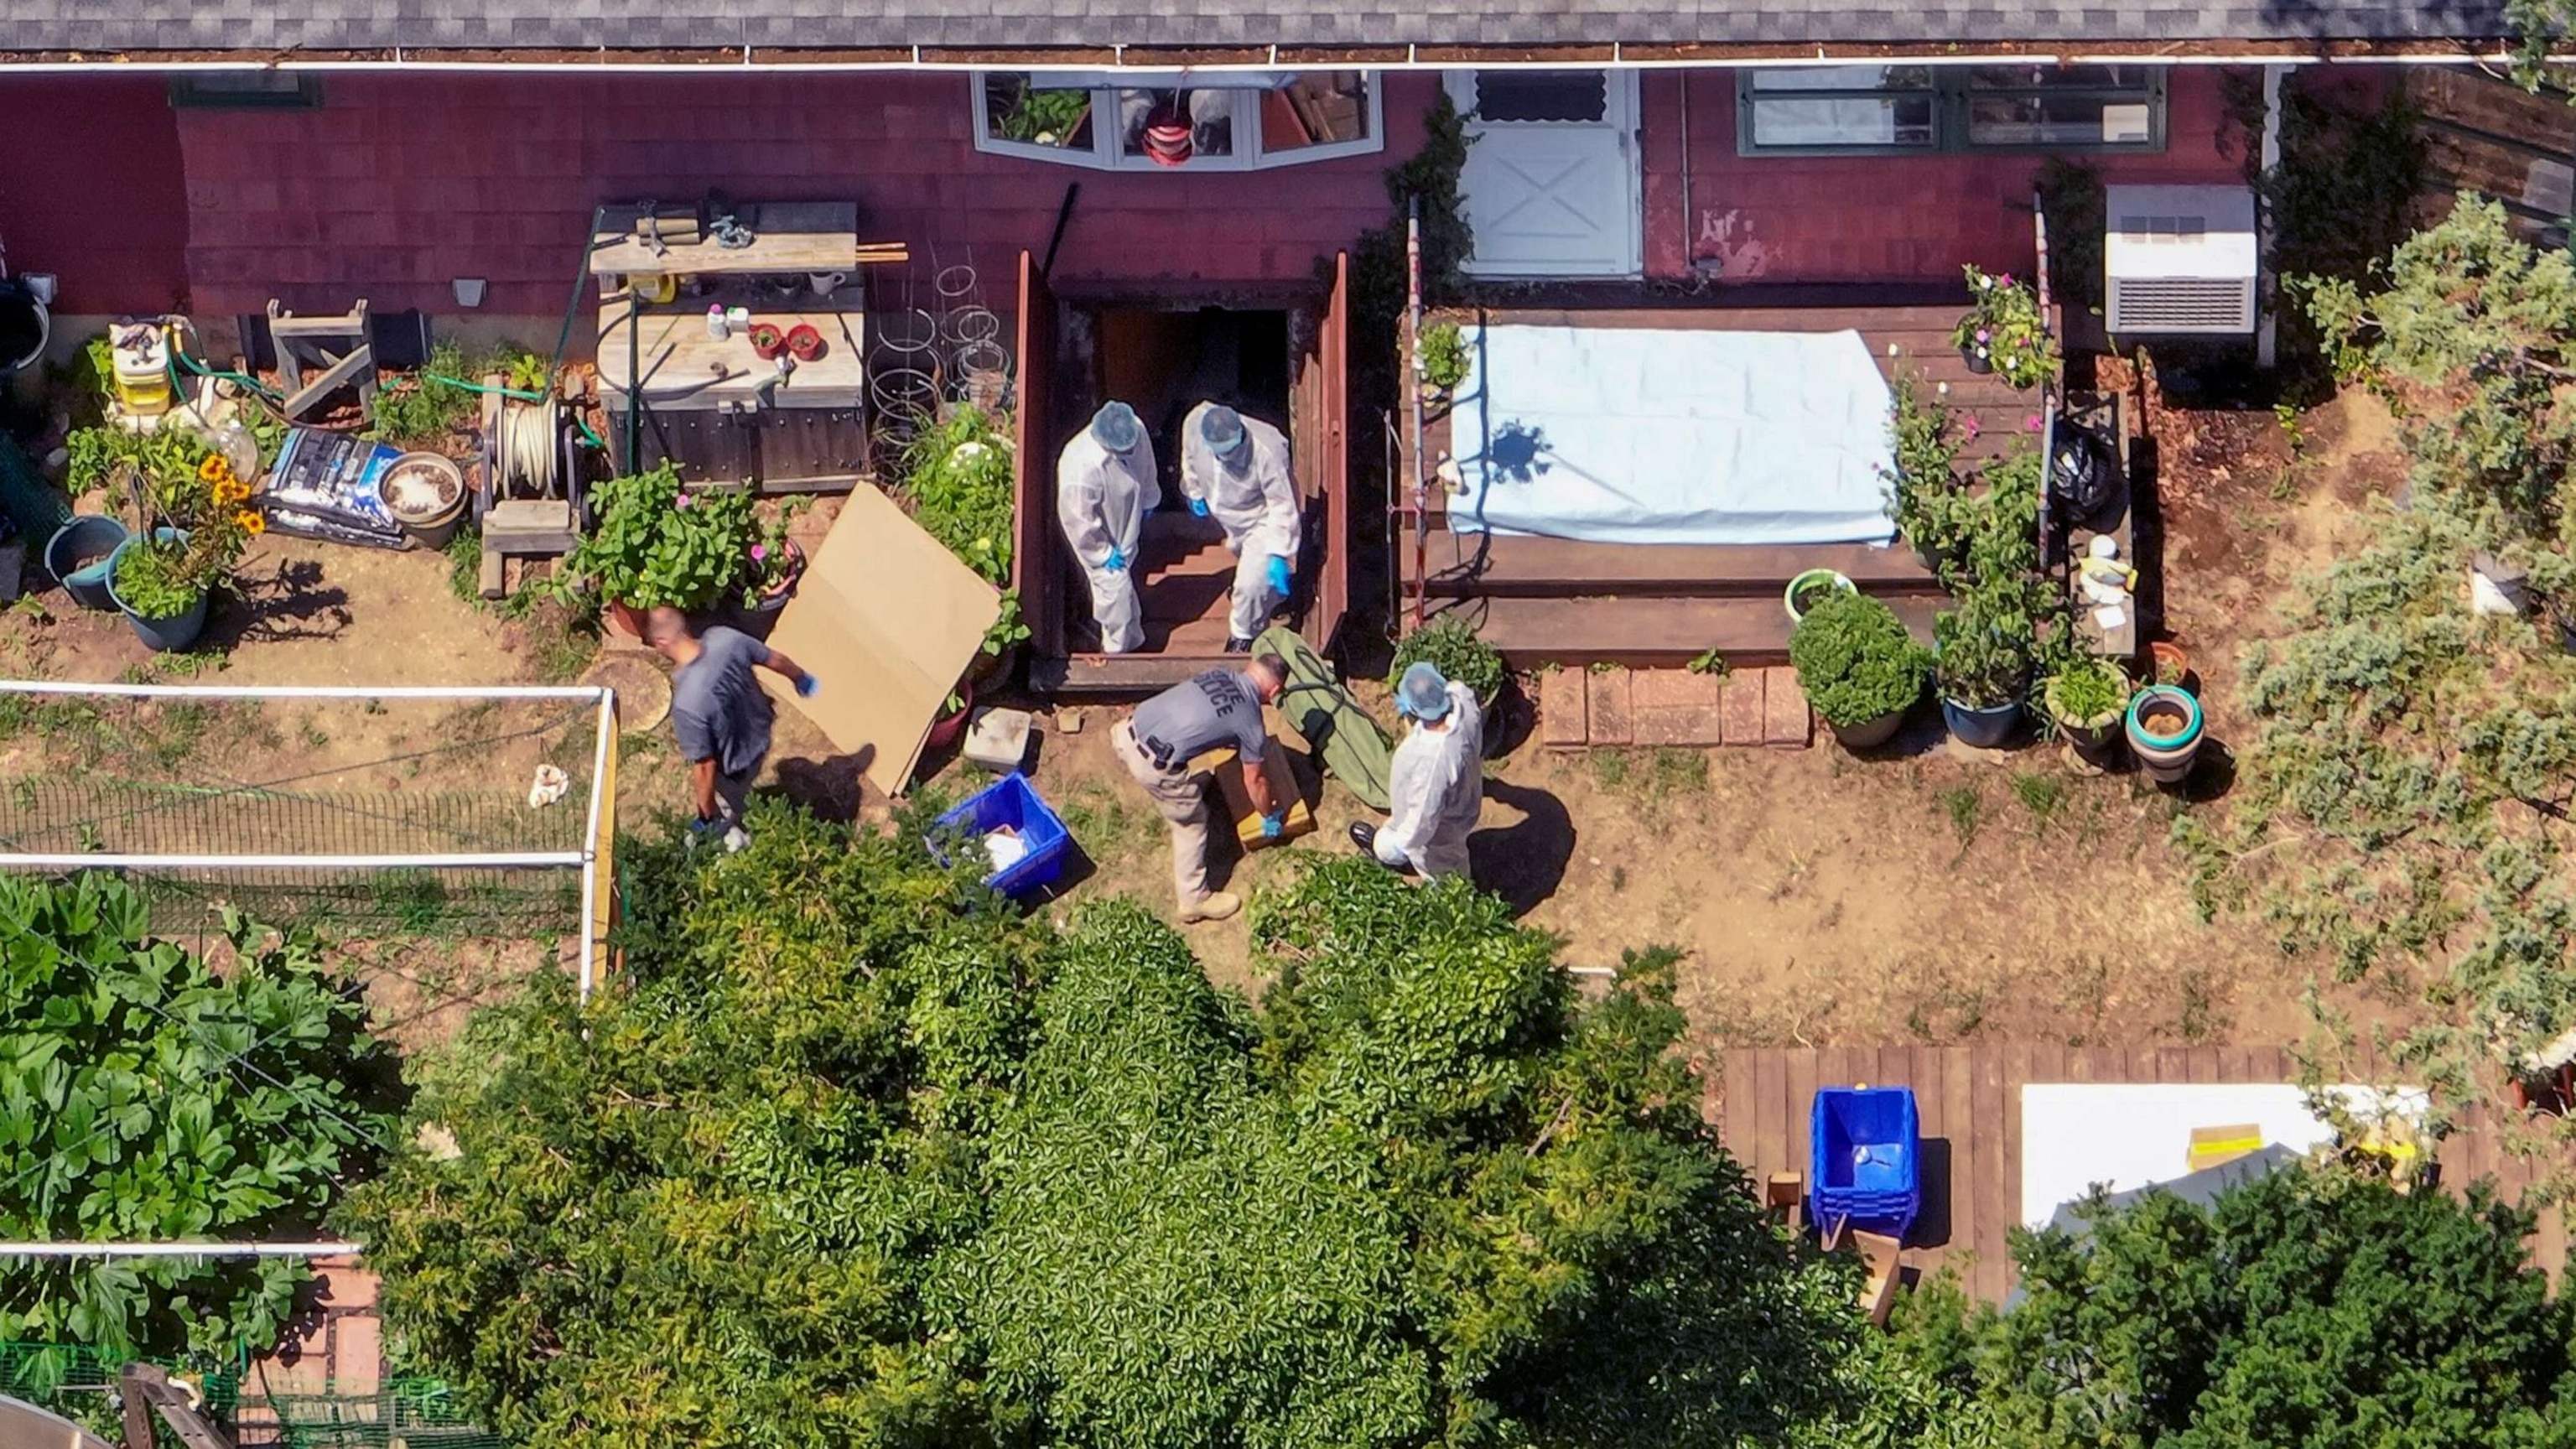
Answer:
(1970, 1100)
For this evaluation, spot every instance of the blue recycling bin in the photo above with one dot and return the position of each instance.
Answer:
(1865, 1159)
(1012, 801)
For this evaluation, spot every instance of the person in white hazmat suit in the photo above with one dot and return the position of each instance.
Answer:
(1436, 785)
(1236, 470)
(1104, 487)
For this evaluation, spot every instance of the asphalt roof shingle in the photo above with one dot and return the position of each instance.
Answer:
(149, 25)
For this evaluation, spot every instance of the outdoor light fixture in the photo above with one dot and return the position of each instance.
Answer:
(469, 291)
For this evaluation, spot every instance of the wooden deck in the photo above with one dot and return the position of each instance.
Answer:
(1556, 601)
(1969, 1099)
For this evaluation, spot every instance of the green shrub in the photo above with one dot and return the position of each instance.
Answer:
(959, 479)
(1855, 660)
(1983, 653)
(663, 542)
(1452, 647)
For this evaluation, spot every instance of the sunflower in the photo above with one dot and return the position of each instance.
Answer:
(251, 523)
(215, 470)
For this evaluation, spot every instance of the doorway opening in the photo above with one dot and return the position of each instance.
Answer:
(1164, 361)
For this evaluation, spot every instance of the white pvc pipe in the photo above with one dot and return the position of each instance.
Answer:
(307, 691)
(495, 860)
(177, 1250)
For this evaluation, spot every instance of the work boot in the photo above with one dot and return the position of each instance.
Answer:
(1237, 644)
(1215, 908)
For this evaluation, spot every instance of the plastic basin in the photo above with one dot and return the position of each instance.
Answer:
(78, 555)
(1864, 1158)
(1011, 801)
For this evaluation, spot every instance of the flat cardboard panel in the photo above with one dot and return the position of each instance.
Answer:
(889, 621)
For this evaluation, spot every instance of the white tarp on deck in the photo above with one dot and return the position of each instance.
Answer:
(1654, 435)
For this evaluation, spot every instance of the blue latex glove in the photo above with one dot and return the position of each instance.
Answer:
(1279, 576)
(809, 686)
(1198, 508)
(1274, 826)
(1117, 559)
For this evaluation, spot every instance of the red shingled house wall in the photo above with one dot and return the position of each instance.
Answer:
(90, 190)
(399, 183)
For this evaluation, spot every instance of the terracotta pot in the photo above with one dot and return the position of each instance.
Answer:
(767, 342)
(804, 343)
(2171, 665)
(626, 617)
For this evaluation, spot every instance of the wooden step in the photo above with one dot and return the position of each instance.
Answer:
(1646, 633)
(1478, 563)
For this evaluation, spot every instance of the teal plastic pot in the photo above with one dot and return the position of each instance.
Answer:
(78, 555)
(166, 635)
(1986, 728)
(2164, 732)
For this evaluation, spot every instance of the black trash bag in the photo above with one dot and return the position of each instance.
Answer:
(2083, 472)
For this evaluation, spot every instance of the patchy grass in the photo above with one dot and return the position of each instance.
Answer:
(1965, 809)
(2041, 795)
(1651, 777)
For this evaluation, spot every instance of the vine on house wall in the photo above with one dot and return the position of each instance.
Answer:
(1378, 258)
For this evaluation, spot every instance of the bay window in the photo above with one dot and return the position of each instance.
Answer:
(2028, 106)
(1178, 121)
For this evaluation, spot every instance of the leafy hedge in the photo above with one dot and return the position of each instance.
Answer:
(1855, 660)
(144, 1097)
(864, 1158)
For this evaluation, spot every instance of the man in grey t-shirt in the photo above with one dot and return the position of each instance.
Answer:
(719, 713)
(1157, 743)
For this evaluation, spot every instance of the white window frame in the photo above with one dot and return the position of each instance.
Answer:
(1106, 147)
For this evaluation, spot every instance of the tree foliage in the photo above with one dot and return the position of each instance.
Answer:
(2313, 1308)
(863, 1158)
(143, 1097)
(2410, 756)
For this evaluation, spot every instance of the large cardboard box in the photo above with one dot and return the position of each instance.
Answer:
(888, 621)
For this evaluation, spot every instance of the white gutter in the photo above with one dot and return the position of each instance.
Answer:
(1412, 63)
(177, 1250)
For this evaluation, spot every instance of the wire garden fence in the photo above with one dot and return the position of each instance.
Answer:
(80, 1384)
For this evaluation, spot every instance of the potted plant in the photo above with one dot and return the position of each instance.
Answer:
(1982, 658)
(2164, 732)
(1861, 671)
(958, 483)
(2004, 332)
(164, 577)
(1001, 642)
(1924, 498)
(1454, 648)
(2086, 700)
(2171, 662)
(1810, 589)
(775, 564)
(1444, 357)
(951, 722)
(662, 543)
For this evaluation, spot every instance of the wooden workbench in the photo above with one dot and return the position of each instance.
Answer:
(684, 379)
(787, 237)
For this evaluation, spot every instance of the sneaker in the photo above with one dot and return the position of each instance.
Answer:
(1215, 908)
(1238, 645)
(1364, 835)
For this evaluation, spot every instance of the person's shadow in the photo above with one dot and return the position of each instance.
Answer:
(1525, 862)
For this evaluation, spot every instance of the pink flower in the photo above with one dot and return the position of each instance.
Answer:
(683, 501)
(2004, 281)
(1972, 427)
(759, 551)
(2031, 422)
(1984, 336)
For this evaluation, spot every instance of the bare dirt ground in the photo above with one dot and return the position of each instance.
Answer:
(1937, 896)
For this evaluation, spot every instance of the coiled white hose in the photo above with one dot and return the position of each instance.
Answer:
(531, 448)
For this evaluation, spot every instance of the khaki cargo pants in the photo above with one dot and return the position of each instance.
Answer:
(1182, 799)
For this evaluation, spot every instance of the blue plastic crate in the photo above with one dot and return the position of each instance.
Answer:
(1865, 1160)
(1012, 801)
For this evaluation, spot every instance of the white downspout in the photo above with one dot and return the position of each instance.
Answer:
(2267, 339)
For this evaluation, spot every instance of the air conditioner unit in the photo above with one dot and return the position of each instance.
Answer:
(2179, 259)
